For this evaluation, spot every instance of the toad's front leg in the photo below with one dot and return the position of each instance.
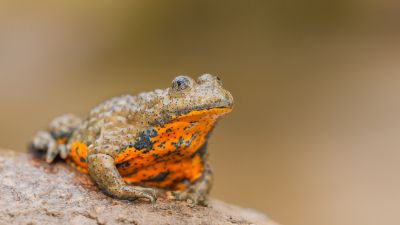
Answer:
(199, 190)
(102, 169)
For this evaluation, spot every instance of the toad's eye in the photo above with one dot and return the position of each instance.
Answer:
(181, 85)
(219, 81)
(180, 82)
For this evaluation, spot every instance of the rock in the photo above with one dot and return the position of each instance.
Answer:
(34, 192)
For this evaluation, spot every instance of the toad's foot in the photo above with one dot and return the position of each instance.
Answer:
(199, 189)
(43, 141)
(103, 171)
(191, 195)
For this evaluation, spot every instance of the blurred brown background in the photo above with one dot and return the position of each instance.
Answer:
(314, 135)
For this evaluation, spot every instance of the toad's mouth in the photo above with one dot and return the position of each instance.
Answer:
(196, 115)
(188, 110)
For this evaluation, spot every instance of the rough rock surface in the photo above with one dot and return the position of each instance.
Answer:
(34, 192)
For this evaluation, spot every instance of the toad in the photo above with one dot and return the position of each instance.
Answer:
(156, 138)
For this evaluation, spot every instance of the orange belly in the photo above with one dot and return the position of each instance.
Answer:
(175, 173)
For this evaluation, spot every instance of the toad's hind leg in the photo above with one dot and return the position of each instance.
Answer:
(53, 141)
(43, 145)
(103, 171)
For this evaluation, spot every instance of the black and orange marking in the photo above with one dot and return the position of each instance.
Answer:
(172, 158)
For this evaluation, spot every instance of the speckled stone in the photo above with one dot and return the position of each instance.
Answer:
(35, 192)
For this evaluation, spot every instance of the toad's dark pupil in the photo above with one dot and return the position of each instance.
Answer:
(179, 82)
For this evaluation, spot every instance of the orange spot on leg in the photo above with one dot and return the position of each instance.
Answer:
(77, 156)
(61, 140)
